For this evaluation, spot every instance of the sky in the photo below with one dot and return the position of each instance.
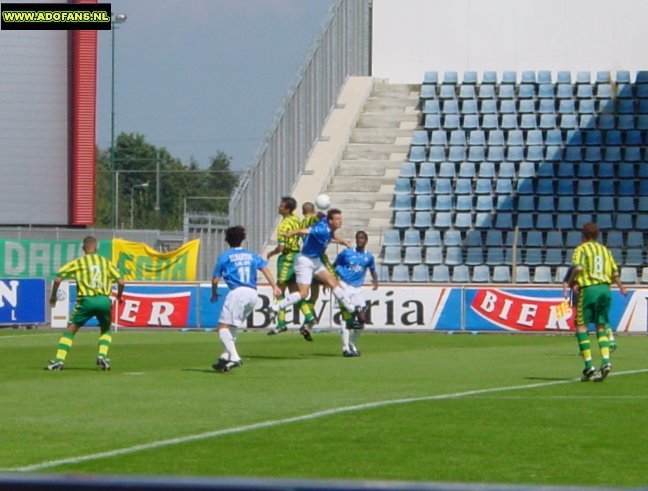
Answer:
(202, 76)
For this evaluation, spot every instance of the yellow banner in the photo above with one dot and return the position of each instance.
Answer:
(140, 262)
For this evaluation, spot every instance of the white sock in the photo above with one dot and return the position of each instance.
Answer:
(291, 299)
(340, 294)
(354, 337)
(228, 341)
(345, 338)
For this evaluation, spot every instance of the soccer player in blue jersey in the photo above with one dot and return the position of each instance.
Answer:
(351, 266)
(309, 264)
(238, 268)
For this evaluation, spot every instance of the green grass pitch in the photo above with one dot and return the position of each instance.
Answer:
(465, 408)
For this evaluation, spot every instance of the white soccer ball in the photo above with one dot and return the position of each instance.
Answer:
(323, 202)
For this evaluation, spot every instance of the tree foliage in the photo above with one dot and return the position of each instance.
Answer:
(148, 176)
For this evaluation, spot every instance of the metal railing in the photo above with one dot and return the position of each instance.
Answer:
(341, 50)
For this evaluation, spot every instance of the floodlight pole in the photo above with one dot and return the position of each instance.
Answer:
(117, 19)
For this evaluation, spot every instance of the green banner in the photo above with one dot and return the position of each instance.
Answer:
(41, 258)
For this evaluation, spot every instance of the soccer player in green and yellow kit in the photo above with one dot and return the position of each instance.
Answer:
(94, 276)
(594, 271)
(287, 249)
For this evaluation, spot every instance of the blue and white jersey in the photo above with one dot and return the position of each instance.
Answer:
(318, 239)
(351, 266)
(238, 267)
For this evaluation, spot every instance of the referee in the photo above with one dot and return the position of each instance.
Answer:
(594, 270)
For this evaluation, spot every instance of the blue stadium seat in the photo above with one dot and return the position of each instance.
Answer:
(546, 204)
(564, 91)
(501, 274)
(476, 154)
(391, 238)
(447, 169)
(632, 154)
(533, 238)
(614, 138)
(504, 221)
(631, 138)
(420, 138)
(402, 186)
(432, 122)
(488, 106)
(593, 154)
(526, 170)
(428, 92)
(402, 219)
(522, 274)
(586, 187)
(585, 91)
(526, 91)
(467, 92)
(464, 203)
(450, 106)
(547, 121)
(625, 106)
(423, 202)
(436, 154)
(440, 274)
(422, 186)
(533, 257)
(544, 186)
(417, 154)
(509, 122)
(494, 256)
(563, 77)
(483, 220)
(489, 77)
(420, 274)
(407, 170)
(447, 92)
(450, 77)
(605, 170)
(553, 137)
(593, 138)
(642, 122)
(603, 77)
(411, 238)
(432, 238)
(392, 255)
(503, 186)
(486, 92)
(474, 256)
(469, 107)
(477, 138)
(451, 122)
(605, 204)
(573, 154)
(481, 274)
(509, 77)
(534, 138)
(527, 106)
(566, 106)
(585, 204)
(628, 275)
(524, 187)
(542, 274)
(585, 170)
(506, 170)
(526, 202)
(483, 186)
(574, 238)
(626, 204)
(515, 154)
(433, 255)
(546, 93)
(382, 271)
(427, 169)
(626, 122)
(442, 220)
(452, 238)
(528, 77)
(626, 187)
(486, 170)
(635, 239)
(614, 238)
(554, 257)
(431, 107)
(544, 77)
(443, 202)
(400, 273)
(463, 186)
(493, 238)
(453, 256)
(431, 77)
(413, 255)
(467, 169)
(586, 106)
(484, 203)
(402, 202)
(458, 138)
(489, 122)
(507, 107)
(506, 91)
(554, 239)
(568, 122)
(495, 154)
(438, 138)
(422, 220)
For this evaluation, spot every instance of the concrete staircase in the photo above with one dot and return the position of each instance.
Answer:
(363, 183)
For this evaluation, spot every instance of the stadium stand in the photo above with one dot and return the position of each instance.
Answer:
(521, 161)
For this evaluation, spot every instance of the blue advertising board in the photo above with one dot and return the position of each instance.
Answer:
(22, 301)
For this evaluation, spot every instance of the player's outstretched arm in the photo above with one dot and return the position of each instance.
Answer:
(214, 288)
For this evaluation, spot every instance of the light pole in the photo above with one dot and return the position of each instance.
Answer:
(117, 19)
(132, 207)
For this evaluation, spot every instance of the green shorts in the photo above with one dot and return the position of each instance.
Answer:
(594, 305)
(286, 268)
(88, 307)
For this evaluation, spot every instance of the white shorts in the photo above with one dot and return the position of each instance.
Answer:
(354, 294)
(239, 303)
(307, 267)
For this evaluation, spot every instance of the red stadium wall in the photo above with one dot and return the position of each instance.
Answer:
(83, 99)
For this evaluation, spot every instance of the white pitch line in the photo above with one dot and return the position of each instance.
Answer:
(295, 419)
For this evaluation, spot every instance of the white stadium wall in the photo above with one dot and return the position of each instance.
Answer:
(34, 146)
(410, 37)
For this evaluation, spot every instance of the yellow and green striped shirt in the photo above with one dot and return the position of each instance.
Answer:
(599, 266)
(291, 244)
(309, 221)
(94, 274)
